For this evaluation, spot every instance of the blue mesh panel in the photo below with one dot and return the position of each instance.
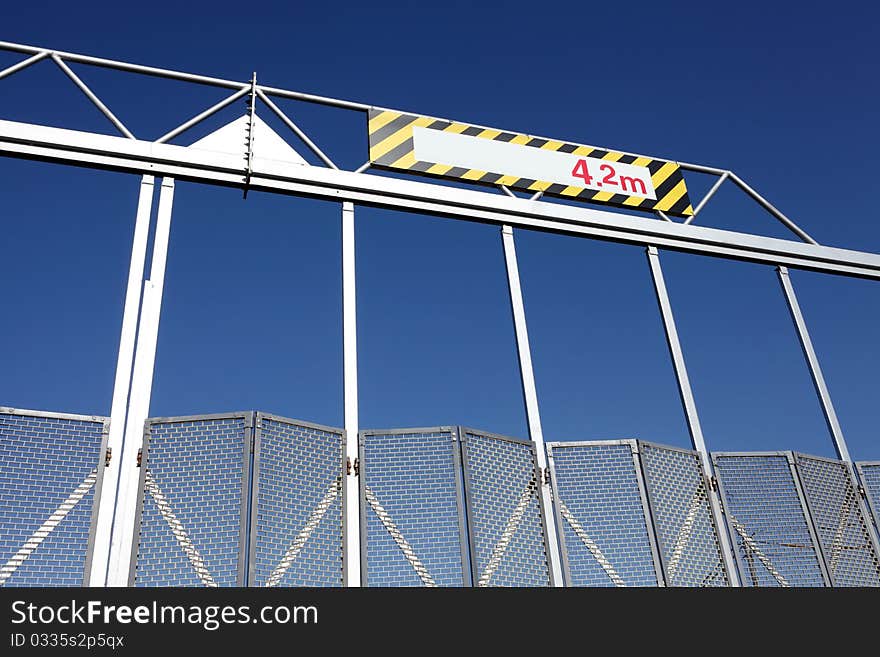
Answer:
(602, 516)
(682, 517)
(45, 462)
(842, 529)
(767, 521)
(297, 515)
(411, 481)
(506, 525)
(871, 479)
(196, 466)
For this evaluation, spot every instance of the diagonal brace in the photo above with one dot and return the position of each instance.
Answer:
(513, 524)
(23, 64)
(684, 533)
(198, 118)
(37, 538)
(92, 96)
(314, 520)
(177, 528)
(398, 537)
(752, 545)
(591, 545)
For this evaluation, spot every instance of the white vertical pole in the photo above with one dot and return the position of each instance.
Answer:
(813, 363)
(690, 411)
(141, 389)
(530, 394)
(350, 392)
(107, 503)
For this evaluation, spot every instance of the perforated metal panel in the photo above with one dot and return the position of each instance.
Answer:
(193, 501)
(411, 509)
(842, 527)
(870, 474)
(686, 533)
(51, 467)
(297, 504)
(507, 530)
(768, 521)
(601, 515)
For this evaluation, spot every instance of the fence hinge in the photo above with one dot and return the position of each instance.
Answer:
(107, 456)
(140, 457)
(357, 467)
(714, 488)
(547, 476)
(863, 492)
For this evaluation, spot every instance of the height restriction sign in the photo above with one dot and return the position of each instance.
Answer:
(436, 147)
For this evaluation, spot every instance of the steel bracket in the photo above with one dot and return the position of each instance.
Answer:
(249, 154)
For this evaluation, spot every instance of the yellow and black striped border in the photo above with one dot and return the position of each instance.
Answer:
(391, 147)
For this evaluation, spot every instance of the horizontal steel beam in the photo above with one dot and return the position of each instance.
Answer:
(141, 157)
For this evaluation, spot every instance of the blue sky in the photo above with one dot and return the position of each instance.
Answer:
(786, 97)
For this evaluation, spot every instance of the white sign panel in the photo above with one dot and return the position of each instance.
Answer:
(532, 163)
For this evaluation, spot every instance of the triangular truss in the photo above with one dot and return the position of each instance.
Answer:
(254, 92)
(248, 135)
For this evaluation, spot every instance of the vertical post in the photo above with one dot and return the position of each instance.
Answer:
(141, 390)
(530, 395)
(352, 532)
(813, 363)
(690, 411)
(122, 383)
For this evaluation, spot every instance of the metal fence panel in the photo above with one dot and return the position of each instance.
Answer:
(835, 506)
(51, 468)
(602, 515)
(768, 521)
(505, 520)
(687, 535)
(411, 508)
(193, 501)
(870, 474)
(296, 504)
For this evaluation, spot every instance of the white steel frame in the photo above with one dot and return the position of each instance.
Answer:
(123, 524)
(158, 158)
(530, 395)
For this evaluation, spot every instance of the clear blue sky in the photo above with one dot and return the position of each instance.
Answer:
(785, 95)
